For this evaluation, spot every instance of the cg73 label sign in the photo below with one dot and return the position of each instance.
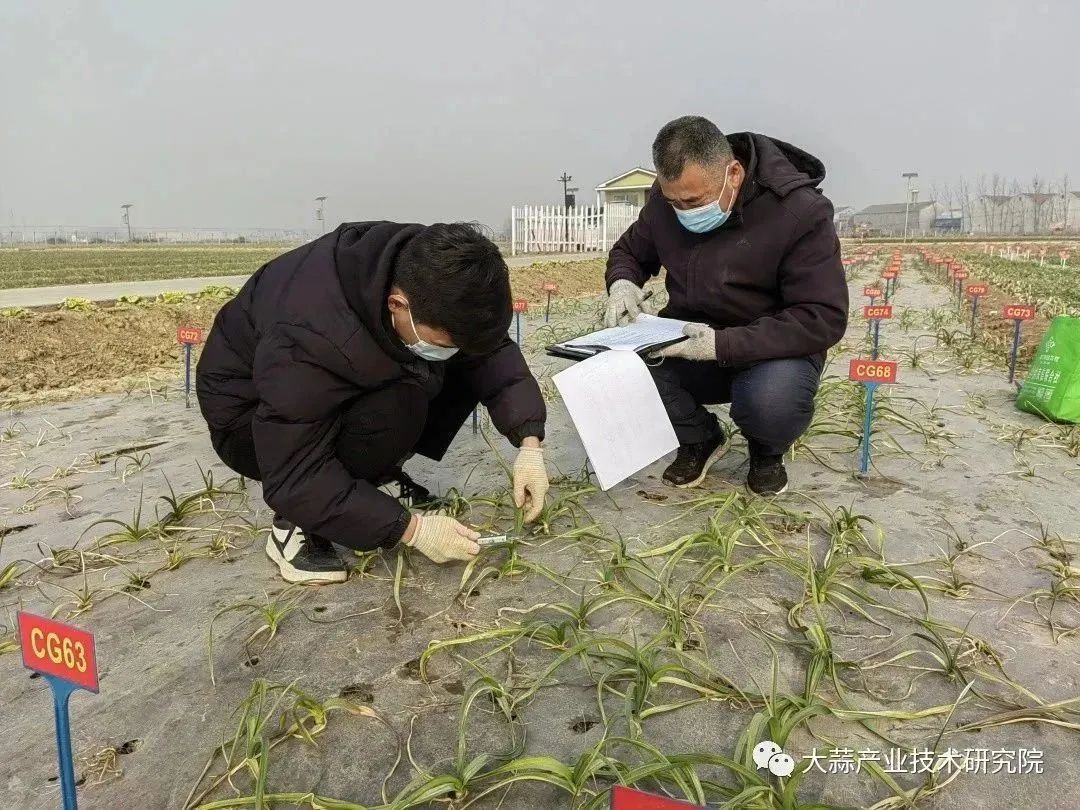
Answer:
(1019, 312)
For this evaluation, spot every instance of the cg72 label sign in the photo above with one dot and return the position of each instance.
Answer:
(188, 335)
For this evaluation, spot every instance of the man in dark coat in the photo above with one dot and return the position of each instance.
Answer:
(340, 359)
(753, 260)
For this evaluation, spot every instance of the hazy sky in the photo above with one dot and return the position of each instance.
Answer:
(239, 113)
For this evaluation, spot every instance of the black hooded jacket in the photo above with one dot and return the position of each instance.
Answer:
(770, 279)
(307, 336)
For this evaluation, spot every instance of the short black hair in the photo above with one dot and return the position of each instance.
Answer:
(456, 279)
(690, 139)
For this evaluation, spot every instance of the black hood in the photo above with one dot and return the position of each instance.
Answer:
(364, 257)
(776, 165)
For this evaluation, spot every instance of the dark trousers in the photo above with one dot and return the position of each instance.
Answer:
(772, 402)
(377, 431)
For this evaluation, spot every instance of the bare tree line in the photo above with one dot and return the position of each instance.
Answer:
(999, 204)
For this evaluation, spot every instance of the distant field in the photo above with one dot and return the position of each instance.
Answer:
(44, 267)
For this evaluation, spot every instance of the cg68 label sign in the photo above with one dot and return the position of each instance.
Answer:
(872, 371)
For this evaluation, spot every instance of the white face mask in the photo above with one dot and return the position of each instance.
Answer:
(428, 351)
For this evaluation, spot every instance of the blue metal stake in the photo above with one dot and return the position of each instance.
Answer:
(61, 691)
(877, 334)
(187, 375)
(1015, 349)
(888, 283)
(864, 464)
(547, 309)
(474, 421)
(517, 316)
(974, 312)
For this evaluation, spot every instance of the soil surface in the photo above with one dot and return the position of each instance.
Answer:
(682, 620)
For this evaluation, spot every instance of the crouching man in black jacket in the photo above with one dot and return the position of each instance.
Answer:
(342, 358)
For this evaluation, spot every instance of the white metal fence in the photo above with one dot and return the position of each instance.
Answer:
(557, 229)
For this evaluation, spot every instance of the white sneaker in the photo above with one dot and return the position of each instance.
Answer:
(299, 560)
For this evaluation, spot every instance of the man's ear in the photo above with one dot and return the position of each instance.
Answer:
(396, 303)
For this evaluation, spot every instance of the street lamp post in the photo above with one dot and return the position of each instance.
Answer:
(127, 217)
(320, 214)
(909, 176)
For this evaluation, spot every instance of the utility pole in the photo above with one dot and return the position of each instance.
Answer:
(567, 203)
(127, 218)
(1065, 205)
(565, 180)
(320, 214)
(909, 176)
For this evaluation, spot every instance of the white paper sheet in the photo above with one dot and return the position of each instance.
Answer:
(645, 330)
(617, 411)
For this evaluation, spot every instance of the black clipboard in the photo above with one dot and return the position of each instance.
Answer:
(585, 352)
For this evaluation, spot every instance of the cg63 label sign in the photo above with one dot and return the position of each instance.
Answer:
(60, 650)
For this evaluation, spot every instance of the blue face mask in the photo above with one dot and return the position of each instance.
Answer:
(707, 217)
(428, 351)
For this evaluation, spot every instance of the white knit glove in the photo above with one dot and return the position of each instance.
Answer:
(530, 482)
(624, 299)
(442, 539)
(700, 345)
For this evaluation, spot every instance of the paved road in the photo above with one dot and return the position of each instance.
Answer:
(45, 296)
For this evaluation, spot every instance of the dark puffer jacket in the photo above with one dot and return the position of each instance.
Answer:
(770, 279)
(307, 336)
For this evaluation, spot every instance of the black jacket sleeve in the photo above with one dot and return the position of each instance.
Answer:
(502, 381)
(813, 295)
(295, 435)
(633, 257)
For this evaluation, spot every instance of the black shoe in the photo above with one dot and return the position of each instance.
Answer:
(767, 475)
(409, 492)
(412, 493)
(694, 460)
(301, 560)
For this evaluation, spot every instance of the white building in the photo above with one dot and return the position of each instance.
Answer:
(844, 220)
(630, 187)
(888, 219)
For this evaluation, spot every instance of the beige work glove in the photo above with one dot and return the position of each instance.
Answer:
(625, 298)
(699, 345)
(530, 482)
(442, 539)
